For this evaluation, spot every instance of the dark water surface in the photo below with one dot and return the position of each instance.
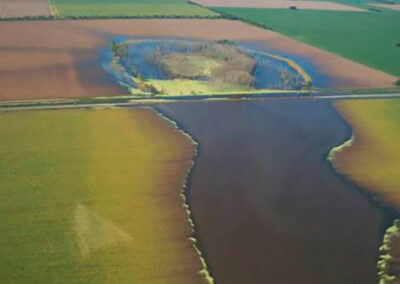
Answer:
(267, 205)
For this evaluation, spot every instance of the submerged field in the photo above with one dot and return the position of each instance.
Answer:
(373, 159)
(93, 196)
(184, 67)
(139, 8)
(369, 38)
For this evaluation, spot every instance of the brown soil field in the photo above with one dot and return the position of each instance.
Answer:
(308, 5)
(387, 6)
(22, 8)
(56, 59)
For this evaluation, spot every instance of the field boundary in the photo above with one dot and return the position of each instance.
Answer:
(103, 17)
(53, 9)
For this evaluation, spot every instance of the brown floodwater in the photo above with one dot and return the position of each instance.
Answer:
(267, 205)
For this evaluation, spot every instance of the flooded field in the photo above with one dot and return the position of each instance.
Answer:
(188, 67)
(59, 59)
(268, 206)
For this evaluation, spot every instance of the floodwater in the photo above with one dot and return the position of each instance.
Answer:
(268, 73)
(267, 205)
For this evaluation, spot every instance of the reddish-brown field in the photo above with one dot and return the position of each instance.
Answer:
(44, 59)
(22, 8)
(271, 4)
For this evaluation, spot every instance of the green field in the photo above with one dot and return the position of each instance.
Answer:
(93, 196)
(128, 8)
(368, 38)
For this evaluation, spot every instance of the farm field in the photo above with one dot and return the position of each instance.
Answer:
(368, 38)
(387, 6)
(373, 159)
(280, 4)
(129, 8)
(53, 59)
(93, 196)
(24, 8)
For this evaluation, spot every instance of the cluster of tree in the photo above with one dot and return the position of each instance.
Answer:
(119, 50)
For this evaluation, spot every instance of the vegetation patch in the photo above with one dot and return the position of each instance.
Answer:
(389, 260)
(197, 67)
(128, 8)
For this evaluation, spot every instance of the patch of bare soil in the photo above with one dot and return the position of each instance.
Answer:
(22, 8)
(56, 59)
(271, 4)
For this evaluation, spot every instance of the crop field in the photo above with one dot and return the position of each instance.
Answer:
(369, 38)
(24, 8)
(129, 8)
(387, 6)
(279, 4)
(93, 196)
(373, 159)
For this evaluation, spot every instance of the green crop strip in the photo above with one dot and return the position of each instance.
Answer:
(131, 8)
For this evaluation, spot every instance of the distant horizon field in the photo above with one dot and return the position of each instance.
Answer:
(126, 8)
(367, 38)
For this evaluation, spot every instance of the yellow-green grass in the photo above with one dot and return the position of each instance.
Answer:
(181, 87)
(129, 8)
(372, 159)
(93, 196)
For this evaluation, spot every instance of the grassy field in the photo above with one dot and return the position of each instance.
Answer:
(93, 196)
(128, 8)
(373, 159)
(368, 38)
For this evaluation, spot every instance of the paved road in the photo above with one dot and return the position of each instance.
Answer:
(70, 104)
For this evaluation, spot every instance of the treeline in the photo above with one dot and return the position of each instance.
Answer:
(90, 17)
(29, 18)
